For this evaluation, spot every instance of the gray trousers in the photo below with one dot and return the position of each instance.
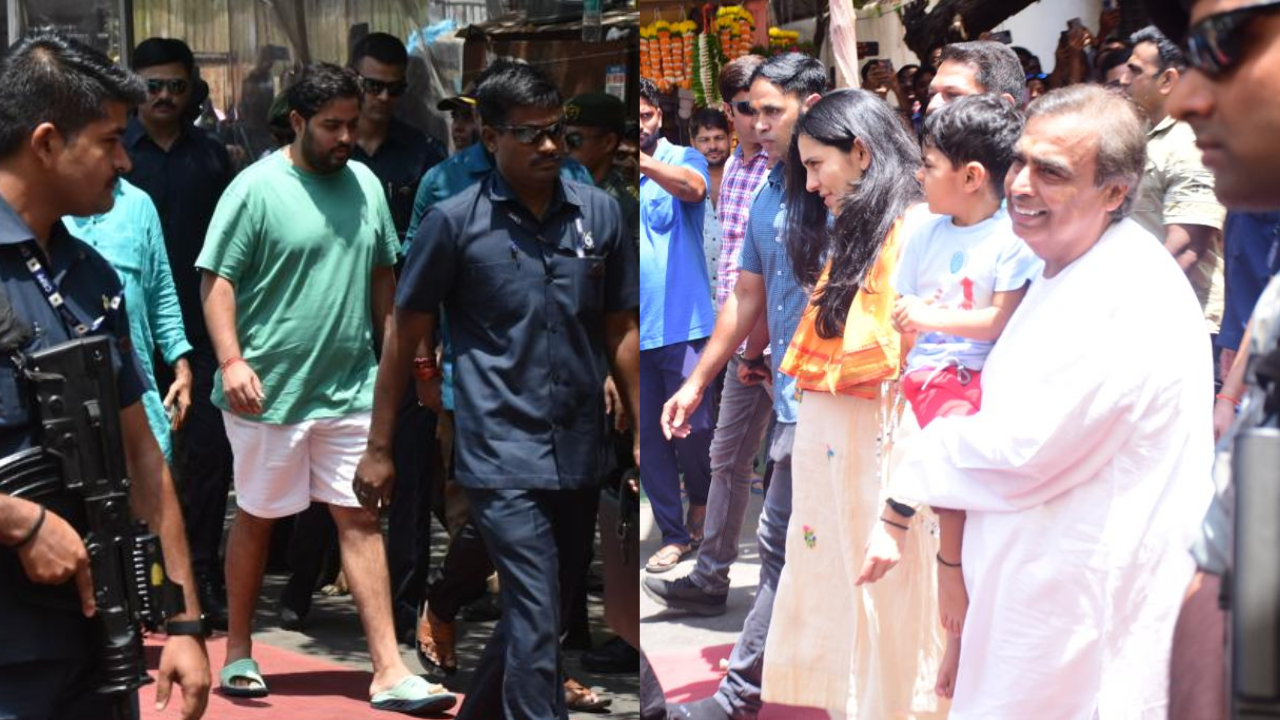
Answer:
(739, 691)
(744, 417)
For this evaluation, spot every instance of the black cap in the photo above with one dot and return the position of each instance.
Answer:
(597, 109)
(457, 102)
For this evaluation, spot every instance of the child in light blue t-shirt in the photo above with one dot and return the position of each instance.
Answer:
(960, 278)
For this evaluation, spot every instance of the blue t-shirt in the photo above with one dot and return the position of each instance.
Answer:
(675, 305)
(963, 267)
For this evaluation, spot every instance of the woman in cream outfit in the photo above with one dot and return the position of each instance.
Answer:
(867, 651)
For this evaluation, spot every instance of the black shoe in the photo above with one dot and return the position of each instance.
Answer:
(486, 609)
(704, 709)
(615, 657)
(291, 619)
(212, 602)
(577, 638)
(681, 594)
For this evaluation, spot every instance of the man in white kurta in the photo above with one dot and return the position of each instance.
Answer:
(1088, 466)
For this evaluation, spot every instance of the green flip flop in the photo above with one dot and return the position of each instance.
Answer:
(242, 669)
(414, 695)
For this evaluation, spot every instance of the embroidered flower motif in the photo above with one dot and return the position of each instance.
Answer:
(810, 537)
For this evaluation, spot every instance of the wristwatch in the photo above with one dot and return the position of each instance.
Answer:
(902, 509)
(198, 627)
(751, 362)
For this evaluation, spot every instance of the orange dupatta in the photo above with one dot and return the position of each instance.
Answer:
(871, 349)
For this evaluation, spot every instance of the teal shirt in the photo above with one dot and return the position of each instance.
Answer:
(460, 171)
(130, 238)
(301, 249)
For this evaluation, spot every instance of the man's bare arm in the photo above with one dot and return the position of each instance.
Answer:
(240, 384)
(1189, 243)
(684, 183)
(738, 318)
(153, 499)
(622, 343)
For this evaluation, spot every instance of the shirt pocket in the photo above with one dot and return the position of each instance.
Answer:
(501, 288)
(658, 214)
(588, 275)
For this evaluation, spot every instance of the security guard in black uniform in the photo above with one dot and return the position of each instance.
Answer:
(62, 120)
(540, 282)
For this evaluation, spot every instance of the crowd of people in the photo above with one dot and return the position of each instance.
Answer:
(992, 322)
(358, 331)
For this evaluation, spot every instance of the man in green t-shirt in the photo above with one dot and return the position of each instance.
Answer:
(299, 252)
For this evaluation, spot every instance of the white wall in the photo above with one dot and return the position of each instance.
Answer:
(1036, 28)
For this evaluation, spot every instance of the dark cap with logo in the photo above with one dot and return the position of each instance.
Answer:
(597, 109)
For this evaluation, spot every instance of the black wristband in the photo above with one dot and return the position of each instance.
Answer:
(751, 362)
(31, 534)
(199, 627)
(902, 509)
(944, 563)
(895, 524)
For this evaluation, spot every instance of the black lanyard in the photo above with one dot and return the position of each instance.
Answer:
(55, 298)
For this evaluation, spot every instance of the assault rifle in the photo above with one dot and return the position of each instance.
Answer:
(81, 452)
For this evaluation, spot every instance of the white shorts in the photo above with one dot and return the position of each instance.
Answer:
(280, 469)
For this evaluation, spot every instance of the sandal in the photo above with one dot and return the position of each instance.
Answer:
(242, 669)
(412, 696)
(580, 698)
(667, 557)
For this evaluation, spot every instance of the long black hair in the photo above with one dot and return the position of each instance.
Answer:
(886, 190)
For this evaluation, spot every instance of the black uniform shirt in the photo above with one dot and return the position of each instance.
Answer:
(44, 623)
(526, 301)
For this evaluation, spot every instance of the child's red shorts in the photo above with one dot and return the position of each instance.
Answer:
(937, 393)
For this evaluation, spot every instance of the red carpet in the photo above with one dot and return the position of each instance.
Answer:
(695, 674)
(302, 687)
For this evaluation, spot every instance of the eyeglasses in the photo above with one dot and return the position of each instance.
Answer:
(577, 138)
(176, 86)
(1216, 44)
(377, 87)
(743, 107)
(531, 134)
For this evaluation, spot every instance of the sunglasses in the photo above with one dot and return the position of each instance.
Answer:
(1216, 44)
(743, 107)
(577, 138)
(531, 134)
(377, 87)
(176, 86)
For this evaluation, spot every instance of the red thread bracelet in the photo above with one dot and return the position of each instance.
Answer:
(1228, 398)
(232, 361)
